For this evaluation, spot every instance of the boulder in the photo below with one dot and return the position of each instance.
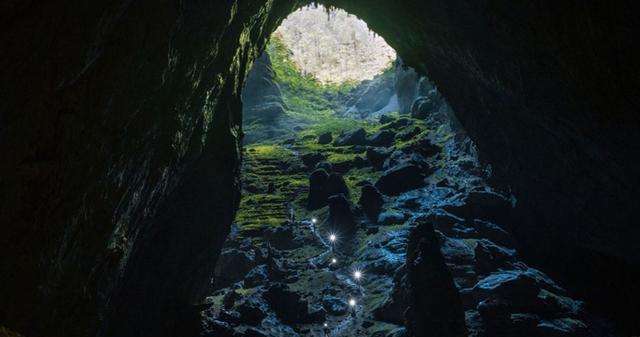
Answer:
(356, 137)
(423, 147)
(289, 305)
(435, 307)
(317, 196)
(232, 266)
(517, 289)
(399, 179)
(340, 216)
(313, 158)
(336, 185)
(325, 138)
(382, 138)
(346, 166)
(377, 156)
(371, 201)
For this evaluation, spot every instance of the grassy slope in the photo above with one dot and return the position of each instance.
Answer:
(311, 104)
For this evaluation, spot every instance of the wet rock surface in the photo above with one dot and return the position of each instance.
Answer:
(436, 258)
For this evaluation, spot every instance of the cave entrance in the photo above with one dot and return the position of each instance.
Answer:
(337, 131)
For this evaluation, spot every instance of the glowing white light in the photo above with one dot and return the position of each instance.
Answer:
(333, 237)
(357, 274)
(314, 220)
(352, 302)
(334, 260)
(325, 325)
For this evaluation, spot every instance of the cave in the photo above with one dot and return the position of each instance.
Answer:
(122, 139)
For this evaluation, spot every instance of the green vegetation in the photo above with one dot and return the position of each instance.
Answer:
(270, 183)
(303, 94)
(274, 178)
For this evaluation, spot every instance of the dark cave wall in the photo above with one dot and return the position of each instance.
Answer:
(120, 140)
(120, 132)
(549, 93)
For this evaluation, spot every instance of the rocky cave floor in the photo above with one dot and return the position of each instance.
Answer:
(372, 187)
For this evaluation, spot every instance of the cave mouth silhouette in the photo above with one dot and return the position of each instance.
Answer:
(135, 144)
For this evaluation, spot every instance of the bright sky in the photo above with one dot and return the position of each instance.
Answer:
(334, 47)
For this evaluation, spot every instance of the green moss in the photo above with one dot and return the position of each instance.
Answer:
(356, 176)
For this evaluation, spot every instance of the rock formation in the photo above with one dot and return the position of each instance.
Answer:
(121, 118)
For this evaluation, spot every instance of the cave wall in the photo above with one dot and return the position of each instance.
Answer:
(120, 133)
(549, 93)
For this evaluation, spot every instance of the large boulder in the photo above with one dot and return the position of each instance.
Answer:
(312, 158)
(233, 265)
(371, 201)
(336, 185)
(340, 215)
(377, 156)
(347, 165)
(400, 179)
(317, 196)
(382, 138)
(289, 305)
(355, 137)
(325, 138)
(435, 307)
(424, 147)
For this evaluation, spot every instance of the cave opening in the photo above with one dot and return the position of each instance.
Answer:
(346, 149)
(121, 128)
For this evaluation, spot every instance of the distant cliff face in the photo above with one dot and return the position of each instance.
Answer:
(334, 46)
